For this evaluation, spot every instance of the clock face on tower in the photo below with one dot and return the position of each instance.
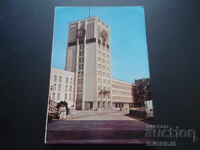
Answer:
(104, 36)
(81, 33)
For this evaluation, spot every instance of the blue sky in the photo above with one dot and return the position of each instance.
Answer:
(129, 59)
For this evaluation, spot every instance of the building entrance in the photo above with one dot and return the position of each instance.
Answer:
(88, 105)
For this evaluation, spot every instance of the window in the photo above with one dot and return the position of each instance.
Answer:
(81, 59)
(51, 87)
(79, 89)
(60, 78)
(69, 96)
(81, 46)
(71, 80)
(80, 66)
(99, 72)
(59, 87)
(81, 53)
(70, 88)
(66, 87)
(99, 65)
(54, 87)
(65, 96)
(104, 81)
(55, 78)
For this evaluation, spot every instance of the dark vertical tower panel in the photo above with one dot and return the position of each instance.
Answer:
(73, 32)
(71, 58)
(90, 30)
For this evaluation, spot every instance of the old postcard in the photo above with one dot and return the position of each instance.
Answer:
(99, 88)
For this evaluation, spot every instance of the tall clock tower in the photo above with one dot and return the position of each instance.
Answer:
(88, 55)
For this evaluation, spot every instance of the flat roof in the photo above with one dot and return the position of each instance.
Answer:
(93, 17)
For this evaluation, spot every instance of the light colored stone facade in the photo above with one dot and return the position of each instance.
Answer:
(61, 86)
(88, 56)
(86, 81)
(122, 94)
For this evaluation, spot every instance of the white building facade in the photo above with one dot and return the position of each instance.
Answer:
(88, 56)
(61, 86)
(122, 94)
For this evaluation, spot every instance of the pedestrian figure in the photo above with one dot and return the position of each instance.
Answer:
(67, 109)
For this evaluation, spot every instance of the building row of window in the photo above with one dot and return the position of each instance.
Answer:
(58, 96)
(59, 79)
(119, 92)
(54, 87)
(80, 81)
(121, 99)
(121, 87)
(81, 59)
(104, 81)
(80, 66)
(80, 74)
(103, 74)
(103, 96)
(104, 88)
(79, 88)
(104, 67)
(81, 53)
(103, 60)
(103, 54)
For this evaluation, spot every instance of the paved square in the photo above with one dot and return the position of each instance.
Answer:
(97, 127)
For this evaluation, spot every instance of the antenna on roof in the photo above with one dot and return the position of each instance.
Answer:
(89, 12)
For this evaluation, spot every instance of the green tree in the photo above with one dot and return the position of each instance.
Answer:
(63, 103)
(141, 91)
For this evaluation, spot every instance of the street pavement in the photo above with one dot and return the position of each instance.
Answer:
(103, 127)
(100, 115)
